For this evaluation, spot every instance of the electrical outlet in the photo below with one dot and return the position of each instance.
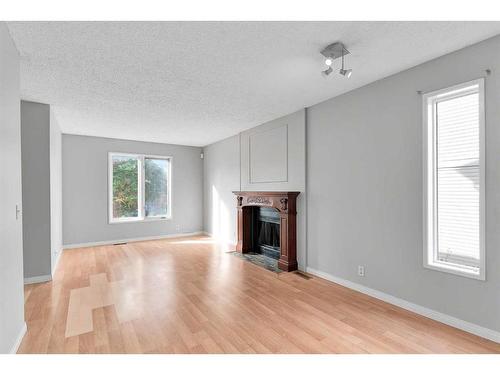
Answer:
(177, 228)
(361, 271)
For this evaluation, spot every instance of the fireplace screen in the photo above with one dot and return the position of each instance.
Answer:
(267, 233)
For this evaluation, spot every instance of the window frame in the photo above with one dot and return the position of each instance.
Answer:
(430, 250)
(140, 189)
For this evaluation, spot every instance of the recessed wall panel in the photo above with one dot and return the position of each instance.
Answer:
(268, 155)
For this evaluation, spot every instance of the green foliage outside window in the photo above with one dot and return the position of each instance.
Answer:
(155, 187)
(125, 187)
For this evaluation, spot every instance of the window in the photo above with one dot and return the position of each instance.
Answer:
(139, 187)
(454, 180)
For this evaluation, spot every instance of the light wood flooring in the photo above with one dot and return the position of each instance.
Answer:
(187, 295)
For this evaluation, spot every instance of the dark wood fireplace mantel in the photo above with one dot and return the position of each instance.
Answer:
(283, 201)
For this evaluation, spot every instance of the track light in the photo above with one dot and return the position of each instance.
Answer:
(346, 73)
(332, 52)
(327, 72)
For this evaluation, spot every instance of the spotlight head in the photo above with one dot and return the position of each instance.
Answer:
(325, 73)
(346, 73)
(328, 61)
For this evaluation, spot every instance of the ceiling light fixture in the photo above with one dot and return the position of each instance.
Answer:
(346, 73)
(332, 52)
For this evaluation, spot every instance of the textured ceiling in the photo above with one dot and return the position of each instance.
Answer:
(194, 83)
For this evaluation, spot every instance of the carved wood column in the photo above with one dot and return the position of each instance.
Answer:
(244, 244)
(288, 249)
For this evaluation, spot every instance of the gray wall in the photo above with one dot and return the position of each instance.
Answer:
(35, 142)
(221, 171)
(269, 157)
(364, 166)
(85, 190)
(11, 254)
(55, 190)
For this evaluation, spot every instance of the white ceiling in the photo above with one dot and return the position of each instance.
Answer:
(195, 83)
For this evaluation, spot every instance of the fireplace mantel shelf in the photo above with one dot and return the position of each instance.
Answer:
(267, 192)
(285, 203)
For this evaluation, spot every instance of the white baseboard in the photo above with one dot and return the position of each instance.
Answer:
(19, 338)
(37, 279)
(432, 314)
(136, 239)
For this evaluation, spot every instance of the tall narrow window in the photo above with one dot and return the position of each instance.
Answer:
(454, 175)
(139, 187)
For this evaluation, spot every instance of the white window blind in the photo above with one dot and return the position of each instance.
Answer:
(457, 129)
(455, 179)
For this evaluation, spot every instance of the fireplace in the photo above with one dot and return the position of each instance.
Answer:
(267, 225)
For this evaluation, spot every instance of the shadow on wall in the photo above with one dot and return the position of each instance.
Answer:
(221, 224)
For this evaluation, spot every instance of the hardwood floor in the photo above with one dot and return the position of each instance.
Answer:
(187, 295)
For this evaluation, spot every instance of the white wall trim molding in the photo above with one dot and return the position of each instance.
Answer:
(37, 279)
(252, 140)
(19, 339)
(56, 263)
(136, 239)
(421, 310)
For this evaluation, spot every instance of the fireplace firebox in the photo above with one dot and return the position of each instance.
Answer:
(267, 225)
(266, 231)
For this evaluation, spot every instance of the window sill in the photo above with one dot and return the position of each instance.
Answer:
(456, 270)
(140, 220)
